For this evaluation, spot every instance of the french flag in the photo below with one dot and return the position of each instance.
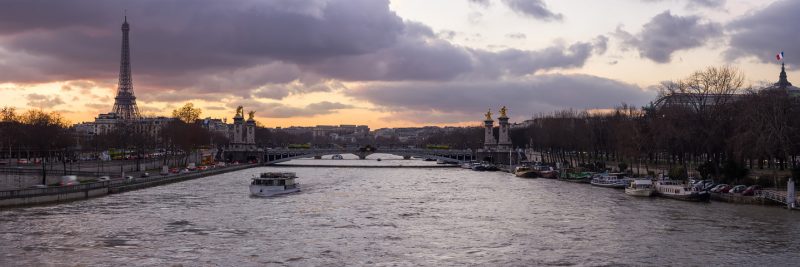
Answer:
(780, 56)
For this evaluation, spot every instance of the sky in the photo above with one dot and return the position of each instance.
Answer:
(381, 63)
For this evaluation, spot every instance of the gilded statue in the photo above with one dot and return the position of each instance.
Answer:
(503, 112)
(251, 114)
(489, 115)
(240, 111)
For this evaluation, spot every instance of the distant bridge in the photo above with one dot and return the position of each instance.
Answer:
(273, 156)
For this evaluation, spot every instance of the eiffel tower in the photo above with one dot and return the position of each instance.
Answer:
(125, 102)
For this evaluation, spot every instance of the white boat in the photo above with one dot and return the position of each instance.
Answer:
(274, 183)
(640, 188)
(469, 165)
(678, 190)
(611, 180)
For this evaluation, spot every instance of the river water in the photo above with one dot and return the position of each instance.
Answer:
(423, 216)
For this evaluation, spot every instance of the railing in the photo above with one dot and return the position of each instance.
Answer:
(777, 196)
(171, 177)
(377, 150)
(36, 171)
(51, 190)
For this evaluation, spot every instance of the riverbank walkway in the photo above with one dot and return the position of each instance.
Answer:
(49, 195)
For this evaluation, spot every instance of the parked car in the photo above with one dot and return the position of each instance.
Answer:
(23, 161)
(709, 185)
(718, 187)
(104, 179)
(726, 189)
(174, 170)
(737, 189)
(129, 178)
(751, 190)
(722, 188)
(145, 174)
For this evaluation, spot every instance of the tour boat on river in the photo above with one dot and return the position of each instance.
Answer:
(678, 190)
(274, 183)
(640, 188)
(610, 180)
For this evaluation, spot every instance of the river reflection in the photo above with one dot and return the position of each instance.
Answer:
(421, 216)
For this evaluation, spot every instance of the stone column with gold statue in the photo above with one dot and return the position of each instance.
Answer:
(504, 141)
(238, 127)
(488, 136)
(250, 140)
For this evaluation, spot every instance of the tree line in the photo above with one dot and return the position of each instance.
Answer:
(708, 123)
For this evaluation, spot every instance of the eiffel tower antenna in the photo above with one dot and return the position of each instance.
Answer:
(125, 102)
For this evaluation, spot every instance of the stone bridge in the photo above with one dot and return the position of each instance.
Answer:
(273, 156)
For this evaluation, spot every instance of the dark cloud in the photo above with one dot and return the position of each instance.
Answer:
(200, 49)
(514, 62)
(279, 110)
(698, 3)
(533, 8)
(764, 33)
(666, 34)
(707, 3)
(43, 101)
(280, 91)
(216, 108)
(187, 38)
(455, 101)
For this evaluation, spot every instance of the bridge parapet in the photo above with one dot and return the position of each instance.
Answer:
(272, 156)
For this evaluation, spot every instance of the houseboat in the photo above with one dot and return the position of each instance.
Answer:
(678, 190)
(640, 188)
(577, 177)
(610, 180)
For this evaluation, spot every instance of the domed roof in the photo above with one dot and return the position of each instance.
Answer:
(784, 84)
